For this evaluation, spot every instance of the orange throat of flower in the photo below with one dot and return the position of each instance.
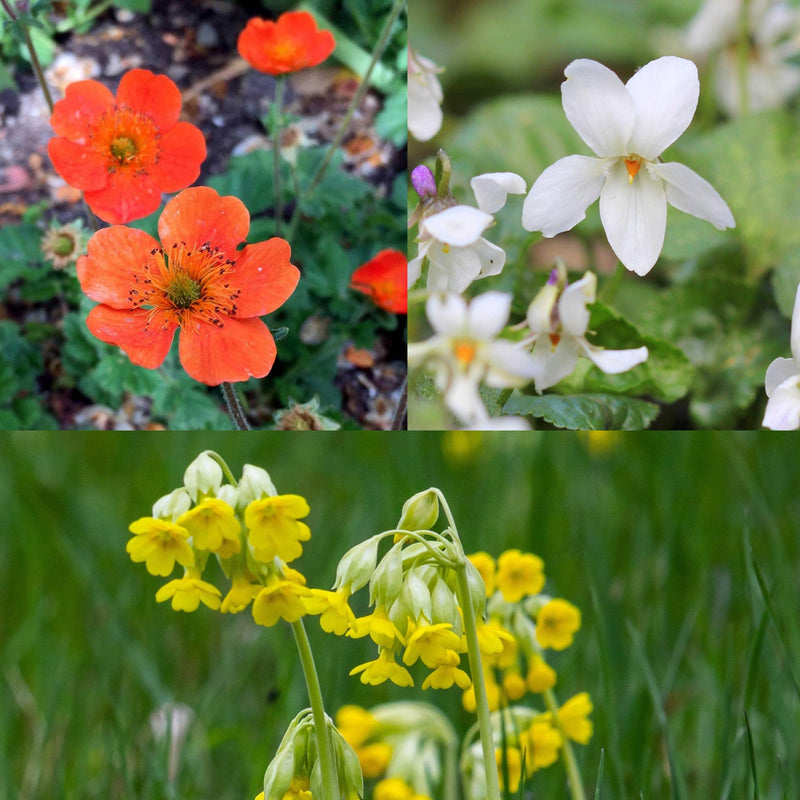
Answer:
(465, 351)
(126, 139)
(633, 165)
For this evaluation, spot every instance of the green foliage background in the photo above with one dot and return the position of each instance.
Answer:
(660, 539)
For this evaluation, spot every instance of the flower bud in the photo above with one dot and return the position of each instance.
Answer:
(351, 781)
(171, 506)
(356, 566)
(387, 579)
(444, 605)
(423, 181)
(254, 485)
(415, 597)
(420, 512)
(203, 476)
(281, 770)
(477, 588)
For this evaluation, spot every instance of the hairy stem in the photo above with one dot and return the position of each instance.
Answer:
(234, 406)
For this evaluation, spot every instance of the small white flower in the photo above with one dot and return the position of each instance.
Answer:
(783, 383)
(452, 239)
(628, 126)
(773, 28)
(558, 320)
(424, 97)
(466, 351)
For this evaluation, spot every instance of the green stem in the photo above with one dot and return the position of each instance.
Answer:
(570, 763)
(277, 104)
(451, 769)
(226, 470)
(234, 406)
(383, 41)
(609, 289)
(330, 782)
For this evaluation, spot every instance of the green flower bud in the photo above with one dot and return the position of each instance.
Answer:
(477, 588)
(279, 774)
(444, 605)
(415, 597)
(351, 781)
(203, 476)
(356, 566)
(420, 512)
(387, 579)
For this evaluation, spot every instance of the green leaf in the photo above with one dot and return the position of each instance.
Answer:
(589, 412)
(392, 122)
(188, 405)
(250, 178)
(22, 255)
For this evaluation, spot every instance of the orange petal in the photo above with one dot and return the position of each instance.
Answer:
(383, 278)
(265, 276)
(126, 196)
(182, 151)
(79, 165)
(239, 350)
(115, 258)
(154, 95)
(84, 102)
(200, 215)
(146, 344)
(302, 27)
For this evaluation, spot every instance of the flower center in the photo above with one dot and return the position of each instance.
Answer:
(183, 290)
(123, 148)
(126, 139)
(633, 165)
(63, 244)
(465, 351)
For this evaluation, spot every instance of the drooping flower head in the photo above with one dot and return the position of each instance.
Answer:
(383, 278)
(289, 44)
(194, 280)
(628, 126)
(124, 151)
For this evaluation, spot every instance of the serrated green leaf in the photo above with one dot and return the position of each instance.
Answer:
(250, 178)
(22, 255)
(186, 405)
(589, 412)
(392, 122)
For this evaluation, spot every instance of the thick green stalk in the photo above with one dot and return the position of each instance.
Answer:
(570, 764)
(234, 406)
(330, 782)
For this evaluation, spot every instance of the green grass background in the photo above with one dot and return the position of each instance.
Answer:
(661, 540)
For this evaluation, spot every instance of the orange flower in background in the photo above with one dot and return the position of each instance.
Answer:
(195, 281)
(288, 45)
(124, 151)
(383, 278)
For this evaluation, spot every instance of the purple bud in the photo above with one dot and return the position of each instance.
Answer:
(422, 181)
(553, 279)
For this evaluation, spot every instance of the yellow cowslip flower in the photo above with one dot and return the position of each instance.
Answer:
(540, 745)
(374, 758)
(485, 565)
(519, 574)
(356, 724)
(274, 529)
(495, 640)
(379, 628)
(431, 643)
(239, 595)
(492, 695)
(514, 685)
(541, 676)
(556, 624)
(445, 675)
(513, 764)
(213, 526)
(159, 543)
(573, 718)
(336, 616)
(281, 599)
(298, 790)
(188, 592)
(383, 668)
(393, 789)
(293, 575)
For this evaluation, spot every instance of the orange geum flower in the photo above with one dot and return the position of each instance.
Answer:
(195, 281)
(124, 151)
(289, 44)
(383, 278)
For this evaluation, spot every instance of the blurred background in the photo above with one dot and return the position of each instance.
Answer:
(661, 540)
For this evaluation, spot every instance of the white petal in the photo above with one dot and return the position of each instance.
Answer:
(664, 93)
(424, 115)
(509, 365)
(796, 325)
(414, 270)
(562, 193)
(492, 188)
(634, 216)
(688, 192)
(783, 407)
(421, 352)
(613, 362)
(598, 107)
(452, 269)
(572, 309)
(463, 398)
(457, 226)
(780, 370)
(554, 362)
(492, 257)
(447, 313)
(488, 314)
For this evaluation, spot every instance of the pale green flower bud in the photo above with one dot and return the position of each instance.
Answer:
(171, 506)
(386, 581)
(535, 603)
(543, 306)
(281, 770)
(420, 512)
(524, 630)
(415, 597)
(477, 588)
(444, 605)
(254, 484)
(203, 476)
(351, 781)
(356, 566)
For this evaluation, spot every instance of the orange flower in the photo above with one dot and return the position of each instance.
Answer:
(124, 152)
(195, 280)
(288, 45)
(384, 280)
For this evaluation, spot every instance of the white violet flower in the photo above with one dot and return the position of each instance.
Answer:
(628, 126)
(782, 383)
(452, 239)
(558, 320)
(465, 351)
(424, 97)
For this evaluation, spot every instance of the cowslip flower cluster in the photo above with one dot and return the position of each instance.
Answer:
(289, 44)
(782, 382)
(627, 126)
(252, 531)
(424, 97)
(403, 748)
(124, 151)
(194, 281)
